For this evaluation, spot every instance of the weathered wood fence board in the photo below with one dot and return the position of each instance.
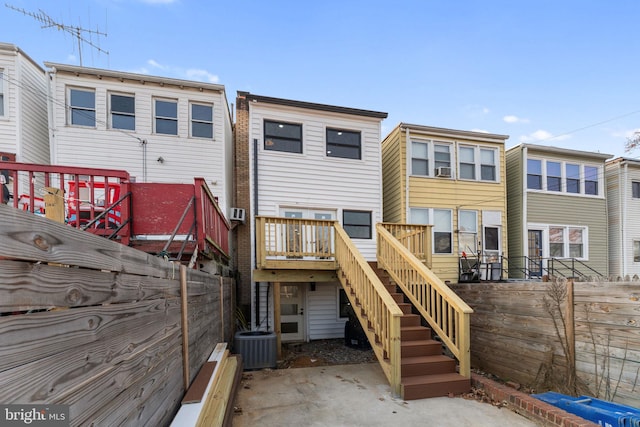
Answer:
(97, 325)
(513, 335)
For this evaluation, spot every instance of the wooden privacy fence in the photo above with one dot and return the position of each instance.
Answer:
(513, 335)
(99, 326)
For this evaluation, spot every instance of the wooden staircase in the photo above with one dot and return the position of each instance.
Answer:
(425, 370)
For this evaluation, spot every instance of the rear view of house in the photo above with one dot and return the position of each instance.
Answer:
(557, 212)
(454, 181)
(158, 129)
(302, 160)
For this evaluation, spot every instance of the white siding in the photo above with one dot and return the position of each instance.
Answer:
(184, 157)
(23, 128)
(313, 180)
(624, 217)
(322, 309)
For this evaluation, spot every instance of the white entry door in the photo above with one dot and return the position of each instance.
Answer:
(292, 324)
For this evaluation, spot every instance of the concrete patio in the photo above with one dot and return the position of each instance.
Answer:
(352, 395)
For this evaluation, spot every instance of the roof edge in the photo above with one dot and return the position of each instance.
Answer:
(311, 105)
(560, 150)
(134, 76)
(456, 132)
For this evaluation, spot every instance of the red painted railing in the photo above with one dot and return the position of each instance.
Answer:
(94, 199)
(212, 225)
(100, 200)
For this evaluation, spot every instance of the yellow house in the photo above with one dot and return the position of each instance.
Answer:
(455, 181)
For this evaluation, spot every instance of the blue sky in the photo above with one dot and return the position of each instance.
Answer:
(554, 72)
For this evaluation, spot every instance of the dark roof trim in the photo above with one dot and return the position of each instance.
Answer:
(312, 106)
(452, 132)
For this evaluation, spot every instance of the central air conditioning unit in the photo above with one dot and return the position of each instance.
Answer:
(443, 172)
(237, 214)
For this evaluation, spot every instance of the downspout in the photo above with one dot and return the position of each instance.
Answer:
(51, 125)
(523, 176)
(623, 222)
(255, 209)
(407, 144)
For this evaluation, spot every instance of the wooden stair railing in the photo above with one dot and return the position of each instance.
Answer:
(447, 314)
(377, 311)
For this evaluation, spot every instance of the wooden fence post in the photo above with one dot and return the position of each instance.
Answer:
(185, 325)
(571, 333)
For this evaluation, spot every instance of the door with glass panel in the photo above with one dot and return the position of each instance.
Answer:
(534, 261)
(292, 312)
(324, 243)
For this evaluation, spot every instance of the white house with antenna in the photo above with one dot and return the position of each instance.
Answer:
(158, 129)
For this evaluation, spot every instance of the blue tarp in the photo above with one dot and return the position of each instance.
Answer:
(606, 414)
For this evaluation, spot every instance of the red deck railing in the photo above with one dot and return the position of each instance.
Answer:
(213, 226)
(100, 201)
(94, 199)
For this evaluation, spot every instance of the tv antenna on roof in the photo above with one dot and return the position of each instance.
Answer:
(76, 31)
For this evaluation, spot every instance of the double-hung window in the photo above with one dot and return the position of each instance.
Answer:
(636, 251)
(201, 120)
(281, 136)
(635, 189)
(534, 174)
(572, 172)
(82, 107)
(123, 111)
(2, 92)
(357, 224)
(442, 226)
(567, 242)
(488, 165)
(467, 162)
(554, 176)
(419, 158)
(342, 143)
(442, 156)
(166, 116)
(591, 180)
(563, 177)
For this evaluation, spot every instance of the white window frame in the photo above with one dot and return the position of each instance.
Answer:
(563, 178)
(636, 251)
(431, 215)
(193, 121)
(546, 246)
(71, 108)
(156, 117)
(471, 232)
(431, 156)
(121, 113)
(477, 162)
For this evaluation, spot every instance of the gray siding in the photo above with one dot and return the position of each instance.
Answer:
(579, 211)
(515, 202)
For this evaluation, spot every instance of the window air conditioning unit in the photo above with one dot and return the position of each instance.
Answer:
(443, 172)
(237, 214)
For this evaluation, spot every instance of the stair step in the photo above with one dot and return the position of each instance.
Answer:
(412, 333)
(424, 386)
(427, 365)
(392, 289)
(405, 307)
(410, 320)
(397, 297)
(420, 348)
